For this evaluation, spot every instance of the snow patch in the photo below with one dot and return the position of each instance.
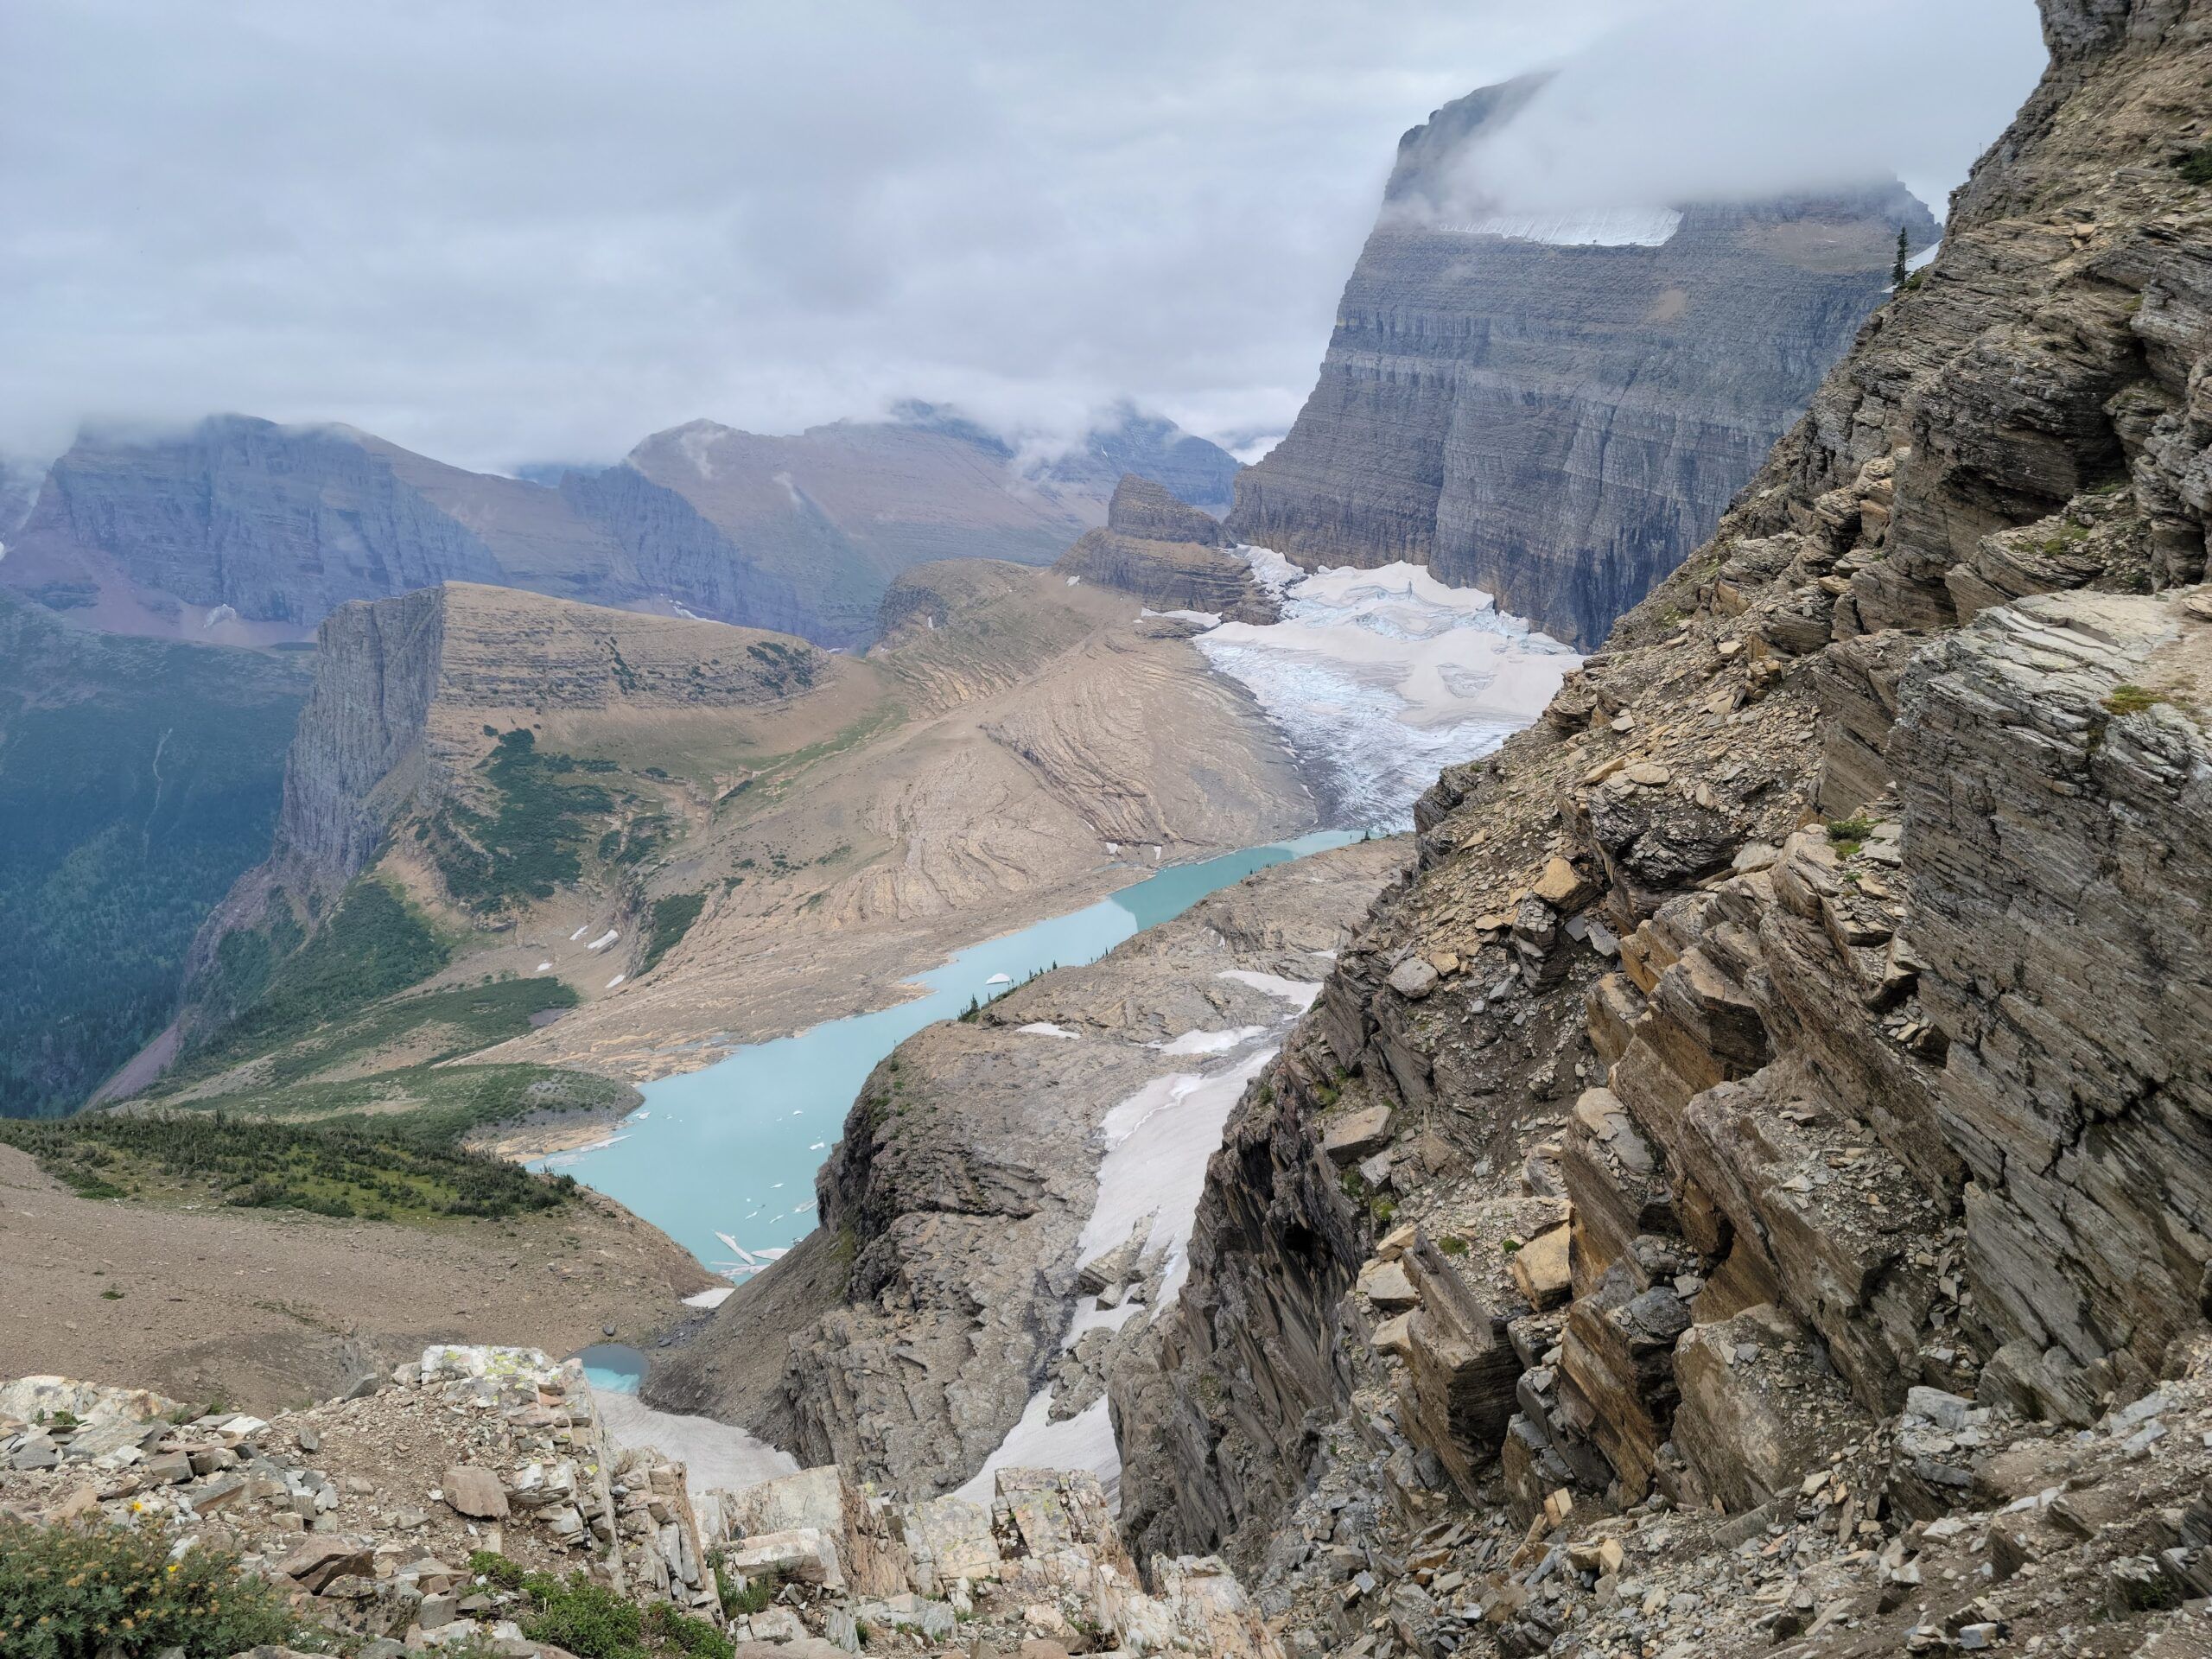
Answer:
(713, 1298)
(1602, 227)
(1045, 1029)
(605, 939)
(1211, 1042)
(1298, 993)
(1381, 678)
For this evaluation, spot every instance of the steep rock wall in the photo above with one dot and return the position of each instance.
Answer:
(1844, 963)
(1558, 424)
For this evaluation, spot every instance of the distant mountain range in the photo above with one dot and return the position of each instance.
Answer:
(243, 532)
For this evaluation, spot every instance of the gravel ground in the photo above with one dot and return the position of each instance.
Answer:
(271, 1309)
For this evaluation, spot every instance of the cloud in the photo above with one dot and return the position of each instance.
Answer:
(1736, 98)
(502, 230)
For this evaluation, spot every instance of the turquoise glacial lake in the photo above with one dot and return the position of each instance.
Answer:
(733, 1149)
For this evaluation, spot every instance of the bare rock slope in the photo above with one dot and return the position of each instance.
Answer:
(1779, 1093)
(1560, 421)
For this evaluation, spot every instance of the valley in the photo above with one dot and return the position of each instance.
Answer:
(1580, 1028)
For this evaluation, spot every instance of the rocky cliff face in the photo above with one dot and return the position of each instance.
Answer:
(1557, 412)
(242, 531)
(400, 733)
(1171, 556)
(1779, 1088)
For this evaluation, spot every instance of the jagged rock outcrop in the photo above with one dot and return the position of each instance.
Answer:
(1173, 556)
(1556, 420)
(243, 532)
(1839, 970)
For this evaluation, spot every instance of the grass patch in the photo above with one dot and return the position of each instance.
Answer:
(2131, 700)
(671, 919)
(434, 1105)
(255, 1164)
(374, 944)
(528, 841)
(77, 1591)
(591, 1622)
(464, 1019)
(1848, 834)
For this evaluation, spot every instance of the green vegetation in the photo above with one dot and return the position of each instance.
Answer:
(84, 1591)
(739, 1597)
(260, 1164)
(373, 944)
(433, 1105)
(439, 1024)
(2197, 165)
(529, 841)
(1453, 1244)
(1897, 272)
(496, 1569)
(591, 1622)
(671, 919)
(1848, 834)
(138, 780)
(784, 667)
(2131, 700)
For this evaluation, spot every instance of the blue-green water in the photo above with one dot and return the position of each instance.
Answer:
(734, 1148)
(614, 1367)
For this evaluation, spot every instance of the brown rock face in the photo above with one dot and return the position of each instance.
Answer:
(1171, 556)
(1873, 1059)
(1560, 425)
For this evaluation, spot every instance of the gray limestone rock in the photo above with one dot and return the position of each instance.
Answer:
(1560, 424)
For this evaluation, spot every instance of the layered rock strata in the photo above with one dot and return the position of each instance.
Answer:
(1831, 959)
(1560, 421)
(1174, 558)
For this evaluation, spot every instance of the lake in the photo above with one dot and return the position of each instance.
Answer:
(723, 1159)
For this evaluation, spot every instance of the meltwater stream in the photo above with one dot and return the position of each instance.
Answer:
(723, 1159)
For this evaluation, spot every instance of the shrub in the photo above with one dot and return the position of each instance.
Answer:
(672, 915)
(2196, 166)
(740, 1597)
(78, 1592)
(496, 1569)
(588, 1619)
(685, 1633)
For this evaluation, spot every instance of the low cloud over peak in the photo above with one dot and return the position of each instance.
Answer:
(499, 234)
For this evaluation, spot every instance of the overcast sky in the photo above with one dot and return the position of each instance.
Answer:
(504, 230)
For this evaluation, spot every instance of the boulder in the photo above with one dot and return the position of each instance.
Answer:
(316, 1563)
(475, 1493)
(802, 1555)
(1760, 1407)
(1540, 1267)
(1357, 1134)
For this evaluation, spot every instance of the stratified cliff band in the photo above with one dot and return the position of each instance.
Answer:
(1557, 410)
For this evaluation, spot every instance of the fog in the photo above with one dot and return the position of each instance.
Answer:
(504, 233)
(1740, 98)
